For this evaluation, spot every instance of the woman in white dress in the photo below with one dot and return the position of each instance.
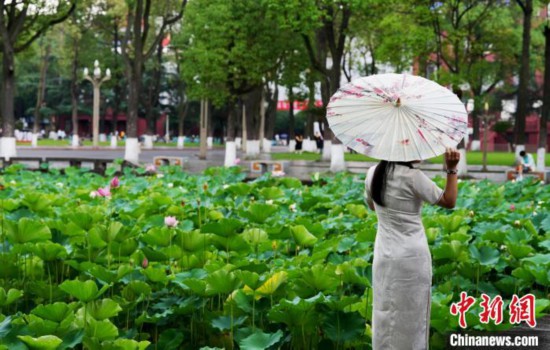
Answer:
(402, 265)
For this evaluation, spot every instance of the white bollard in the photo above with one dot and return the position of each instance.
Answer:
(230, 154)
(147, 141)
(337, 162)
(7, 147)
(252, 148)
(75, 141)
(131, 153)
(113, 141)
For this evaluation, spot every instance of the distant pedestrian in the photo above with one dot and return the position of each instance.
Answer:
(319, 141)
(299, 140)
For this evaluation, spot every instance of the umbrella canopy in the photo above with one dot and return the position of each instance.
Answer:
(397, 117)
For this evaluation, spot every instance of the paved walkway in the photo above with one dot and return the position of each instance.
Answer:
(215, 157)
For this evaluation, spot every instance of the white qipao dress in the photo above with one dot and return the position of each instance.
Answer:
(402, 265)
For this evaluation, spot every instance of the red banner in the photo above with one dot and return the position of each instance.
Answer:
(298, 105)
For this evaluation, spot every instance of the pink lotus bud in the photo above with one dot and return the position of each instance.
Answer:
(237, 161)
(170, 221)
(115, 182)
(104, 192)
(151, 168)
(512, 207)
(145, 263)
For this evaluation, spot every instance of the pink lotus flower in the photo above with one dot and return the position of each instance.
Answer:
(115, 182)
(145, 263)
(237, 161)
(170, 221)
(151, 168)
(512, 207)
(104, 192)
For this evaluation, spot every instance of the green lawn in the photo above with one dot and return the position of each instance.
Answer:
(473, 158)
(66, 143)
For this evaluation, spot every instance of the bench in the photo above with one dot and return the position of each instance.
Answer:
(262, 166)
(512, 175)
(164, 160)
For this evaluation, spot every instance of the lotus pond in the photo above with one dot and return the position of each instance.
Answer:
(167, 260)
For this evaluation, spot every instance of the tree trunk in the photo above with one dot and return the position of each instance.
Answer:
(291, 121)
(203, 128)
(41, 89)
(74, 93)
(523, 93)
(8, 87)
(271, 113)
(543, 126)
(7, 145)
(230, 146)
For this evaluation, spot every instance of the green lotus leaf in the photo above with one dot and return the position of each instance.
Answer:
(136, 290)
(215, 215)
(448, 250)
(260, 340)
(158, 236)
(193, 241)
(101, 330)
(538, 259)
(227, 322)
(273, 283)
(49, 251)
(38, 202)
(72, 339)
(231, 244)
(46, 342)
(357, 210)
(523, 274)
(103, 309)
(170, 339)
(255, 236)
(27, 230)
(155, 275)
(541, 274)
(221, 282)
(10, 297)
(56, 312)
(240, 189)
(343, 326)
(84, 291)
(125, 344)
(40, 327)
(223, 227)
(260, 212)
(319, 278)
(518, 250)
(249, 278)
(486, 256)
(302, 236)
(271, 193)
(154, 255)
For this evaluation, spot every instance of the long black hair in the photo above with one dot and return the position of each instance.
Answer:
(379, 178)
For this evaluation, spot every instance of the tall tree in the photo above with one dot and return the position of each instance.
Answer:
(324, 27)
(21, 23)
(543, 122)
(231, 48)
(45, 58)
(139, 44)
(524, 74)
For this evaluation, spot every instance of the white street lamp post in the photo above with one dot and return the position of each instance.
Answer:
(96, 80)
(167, 136)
